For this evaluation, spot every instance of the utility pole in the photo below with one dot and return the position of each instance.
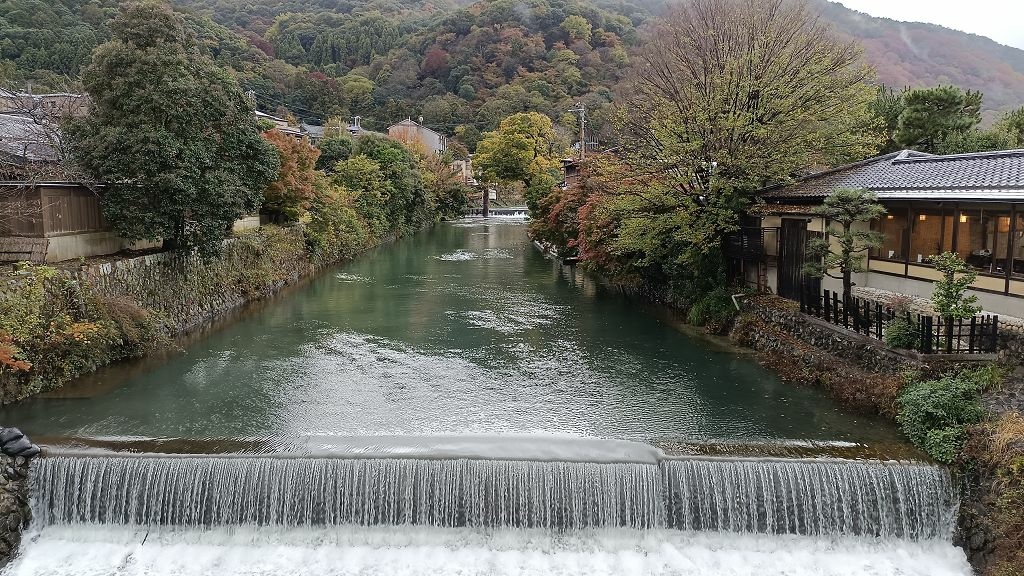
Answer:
(581, 109)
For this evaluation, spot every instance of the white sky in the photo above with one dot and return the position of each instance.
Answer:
(1000, 20)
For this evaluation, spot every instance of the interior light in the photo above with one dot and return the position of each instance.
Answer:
(922, 217)
(963, 218)
(890, 217)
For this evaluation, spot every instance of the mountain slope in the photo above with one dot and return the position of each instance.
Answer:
(915, 54)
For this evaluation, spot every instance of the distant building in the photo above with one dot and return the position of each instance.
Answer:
(53, 105)
(356, 130)
(570, 172)
(464, 168)
(279, 124)
(314, 133)
(409, 132)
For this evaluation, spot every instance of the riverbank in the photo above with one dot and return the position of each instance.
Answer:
(863, 373)
(987, 451)
(61, 323)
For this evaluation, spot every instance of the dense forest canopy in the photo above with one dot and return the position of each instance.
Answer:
(462, 65)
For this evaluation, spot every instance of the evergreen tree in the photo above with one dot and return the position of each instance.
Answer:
(845, 207)
(170, 134)
(932, 115)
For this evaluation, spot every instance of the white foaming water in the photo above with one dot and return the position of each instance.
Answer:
(461, 255)
(84, 550)
(349, 278)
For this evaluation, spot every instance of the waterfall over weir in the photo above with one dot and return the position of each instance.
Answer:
(807, 497)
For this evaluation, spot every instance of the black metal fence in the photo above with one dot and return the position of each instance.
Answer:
(935, 335)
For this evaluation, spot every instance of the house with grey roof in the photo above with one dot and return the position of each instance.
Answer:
(970, 204)
(414, 133)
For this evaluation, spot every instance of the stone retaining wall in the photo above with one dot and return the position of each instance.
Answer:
(14, 508)
(14, 505)
(187, 290)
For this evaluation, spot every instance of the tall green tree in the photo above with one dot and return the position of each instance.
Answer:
(888, 105)
(525, 148)
(729, 96)
(170, 134)
(842, 250)
(933, 115)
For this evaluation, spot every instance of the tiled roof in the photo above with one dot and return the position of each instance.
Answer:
(24, 139)
(909, 174)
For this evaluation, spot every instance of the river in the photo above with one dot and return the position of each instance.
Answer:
(465, 328)
(456, 404)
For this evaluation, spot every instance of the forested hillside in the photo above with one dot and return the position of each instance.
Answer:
(461, 65)
(915, 54)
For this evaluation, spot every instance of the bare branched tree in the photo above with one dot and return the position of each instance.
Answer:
(33, 150)
(747, 91)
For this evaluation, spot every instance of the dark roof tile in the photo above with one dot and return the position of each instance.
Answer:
(915, 174)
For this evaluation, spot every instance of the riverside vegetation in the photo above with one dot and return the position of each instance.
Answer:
(55, 325)
(695, 149)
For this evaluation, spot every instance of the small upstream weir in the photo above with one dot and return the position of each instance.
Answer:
(768, 496)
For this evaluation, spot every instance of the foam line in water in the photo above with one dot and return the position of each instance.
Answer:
(909, 501)
(422, 551)
(441, 447)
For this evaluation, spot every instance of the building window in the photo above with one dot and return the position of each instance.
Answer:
(931, 232)
(893, 228)
(981, 238)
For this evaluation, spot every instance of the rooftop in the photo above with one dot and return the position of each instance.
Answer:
(26, 139)
(410, 123)
(915, 175)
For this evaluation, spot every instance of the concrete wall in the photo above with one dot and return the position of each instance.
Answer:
(246, 223)
(994, 303)
(72, 246)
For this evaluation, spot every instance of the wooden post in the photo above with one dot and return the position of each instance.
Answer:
(949, 334)
(994, 344)
(925, 324)
(487, 202)
(973, 334)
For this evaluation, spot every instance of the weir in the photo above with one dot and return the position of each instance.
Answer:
(812, 497)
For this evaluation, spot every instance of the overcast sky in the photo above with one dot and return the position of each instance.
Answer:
(1000, 20)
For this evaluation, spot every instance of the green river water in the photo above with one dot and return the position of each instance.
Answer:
(462, 329)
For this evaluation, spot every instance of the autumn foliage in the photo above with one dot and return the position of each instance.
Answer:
(288, 197)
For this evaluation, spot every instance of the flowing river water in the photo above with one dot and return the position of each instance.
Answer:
(455, 403)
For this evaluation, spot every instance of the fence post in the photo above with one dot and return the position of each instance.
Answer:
(867, 318)
(835, 308)
(925, 325)
(948, 321)
(971, 336)
(878, 320)
(994, 345)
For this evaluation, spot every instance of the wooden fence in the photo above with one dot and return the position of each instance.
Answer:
(935, 335)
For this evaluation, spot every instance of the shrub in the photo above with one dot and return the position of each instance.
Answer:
(957, 276)
(998, 446)
(53, 329)
(935, 414)
(714, 310)
(901, 332)
(334, 231)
